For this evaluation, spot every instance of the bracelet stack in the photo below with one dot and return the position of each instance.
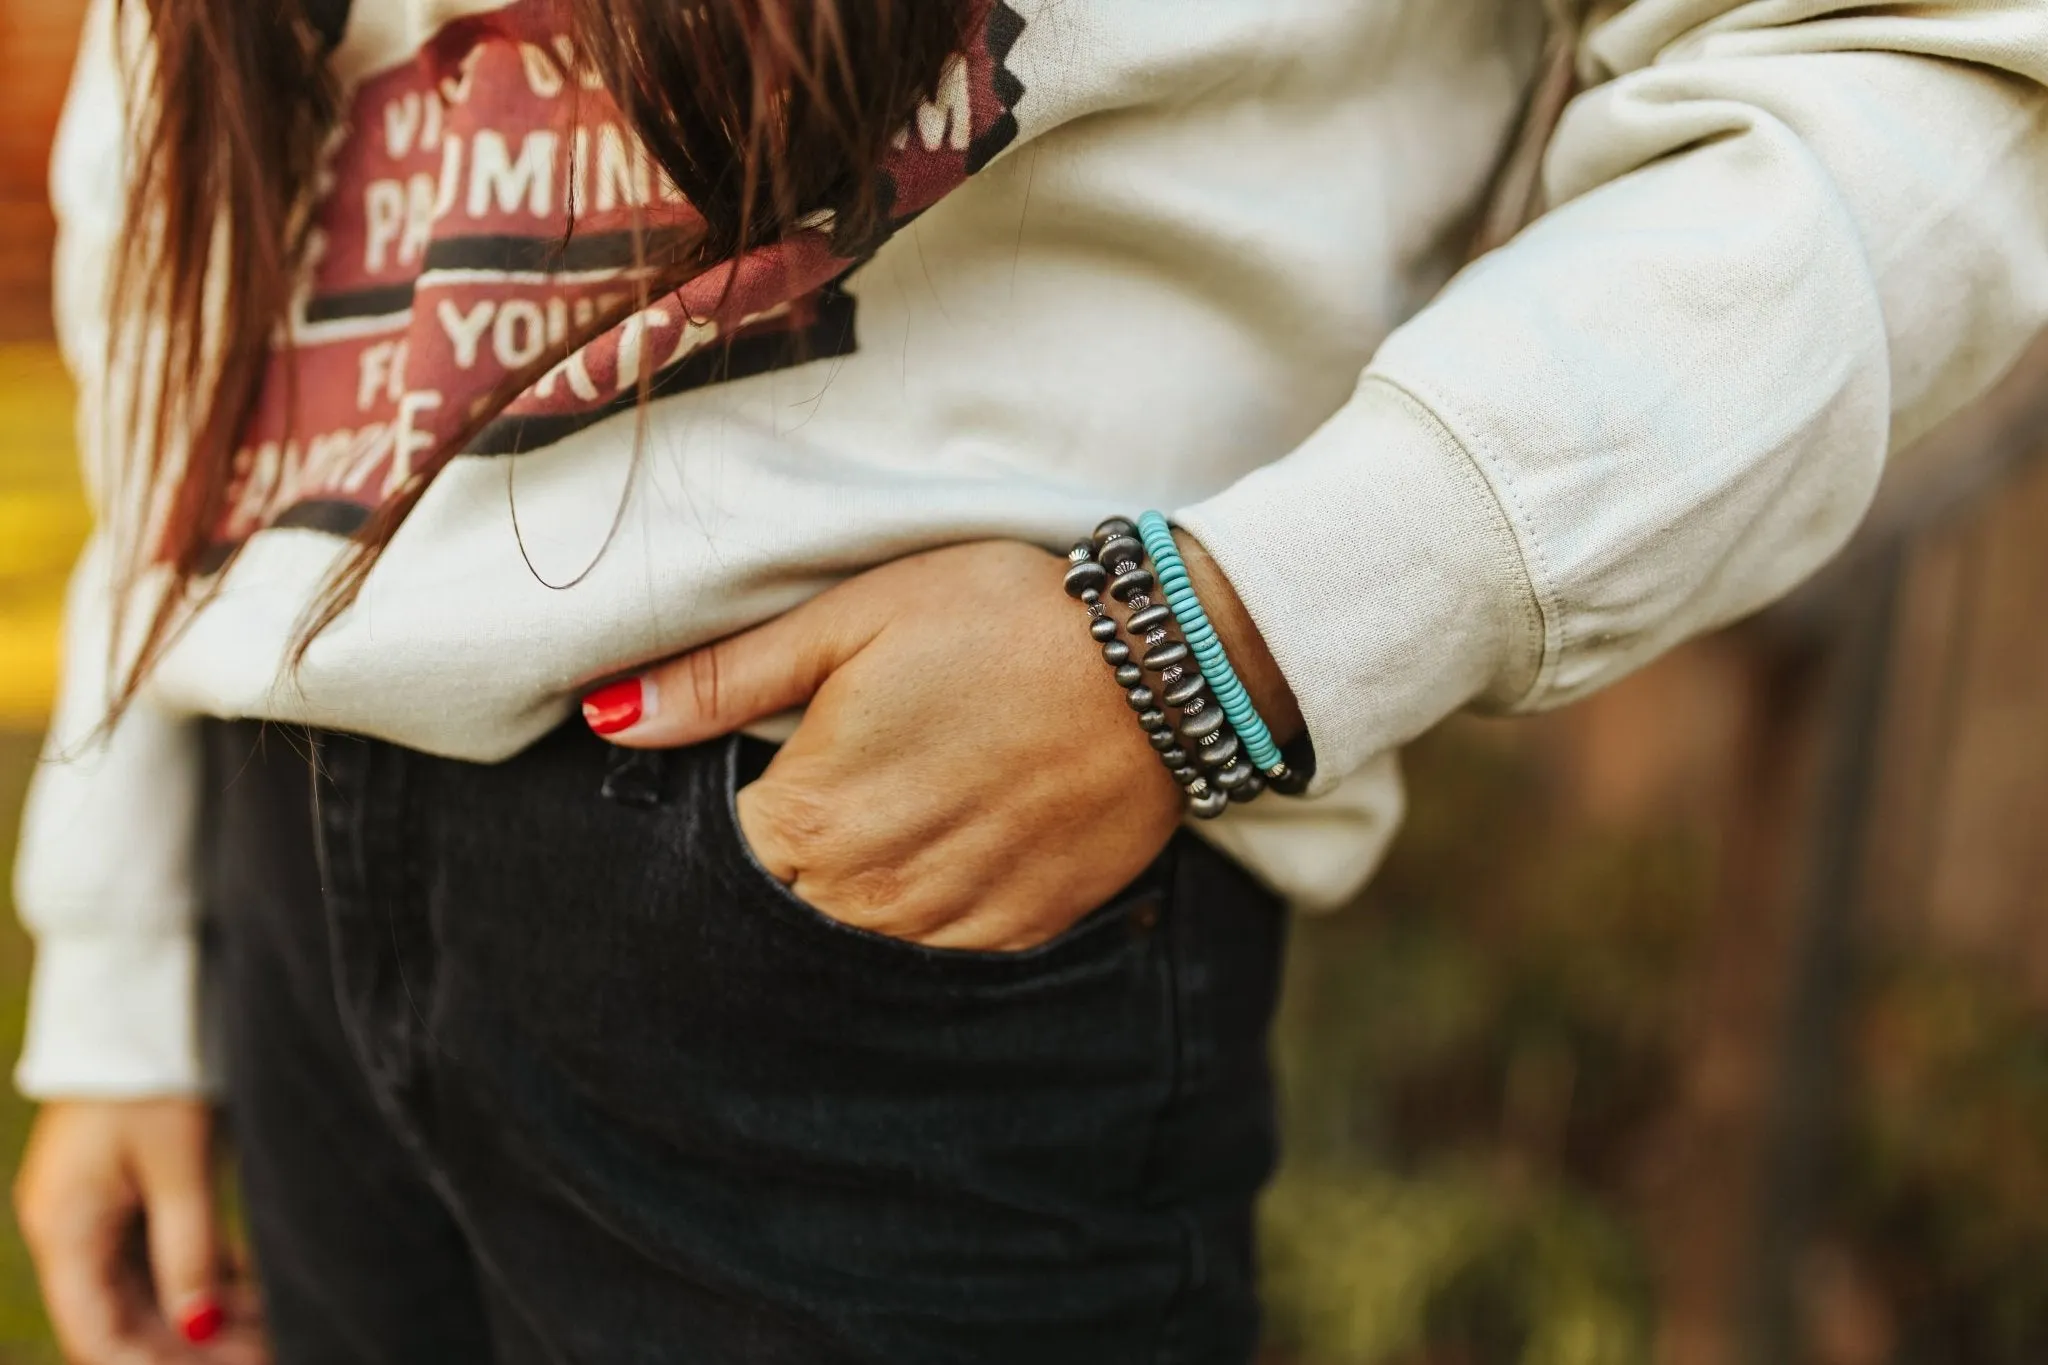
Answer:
(1195, 712)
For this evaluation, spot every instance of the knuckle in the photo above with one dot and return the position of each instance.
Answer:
(876, 892)
(804, 824)
(828, 847)
(701, 674)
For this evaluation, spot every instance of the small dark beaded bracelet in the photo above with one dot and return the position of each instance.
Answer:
(1087, 580)
(1201, 728)
(1120, 556)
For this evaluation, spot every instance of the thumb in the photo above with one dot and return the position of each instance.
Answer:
(173, 1172)
(743, 678)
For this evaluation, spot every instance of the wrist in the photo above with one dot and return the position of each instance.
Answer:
(1249, 656)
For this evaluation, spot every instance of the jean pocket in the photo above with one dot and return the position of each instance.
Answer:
(1104, 932)
(936, 1144)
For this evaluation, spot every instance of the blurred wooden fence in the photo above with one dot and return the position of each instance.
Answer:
(37, 38)
(42, 516)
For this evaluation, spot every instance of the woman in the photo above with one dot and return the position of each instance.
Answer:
(716, 363)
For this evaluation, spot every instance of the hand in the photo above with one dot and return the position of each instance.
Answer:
(116, 1201)
(968, 775)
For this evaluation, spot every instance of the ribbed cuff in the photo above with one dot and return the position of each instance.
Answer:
(1383, 574)
(113, 1016)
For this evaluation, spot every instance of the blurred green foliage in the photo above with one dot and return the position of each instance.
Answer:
(24, 1336)
(1943, 1186)
(1465, 1059)
(1452, 1262)
(1475, 1059)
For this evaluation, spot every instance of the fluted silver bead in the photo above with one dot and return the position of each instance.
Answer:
(1121, 550)
(1153, 617)
(1161, 657)
(1086, 577)
(1125, 586)
(1202, 724)
(1110, 530)
(1186, 690)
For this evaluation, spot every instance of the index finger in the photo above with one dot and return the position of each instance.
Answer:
(92, 1299)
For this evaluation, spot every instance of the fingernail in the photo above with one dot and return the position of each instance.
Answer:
(615, 707)
(202, 1321)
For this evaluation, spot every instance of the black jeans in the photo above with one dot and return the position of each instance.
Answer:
(533, 1062)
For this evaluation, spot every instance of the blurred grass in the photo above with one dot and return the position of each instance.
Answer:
(42, 523)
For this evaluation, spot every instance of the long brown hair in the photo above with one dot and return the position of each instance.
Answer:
(761, 112)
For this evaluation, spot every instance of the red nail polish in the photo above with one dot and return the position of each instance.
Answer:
(614, 707)
(202, 1321)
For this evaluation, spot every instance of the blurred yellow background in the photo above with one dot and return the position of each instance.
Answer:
(41, 518)
(42, 523)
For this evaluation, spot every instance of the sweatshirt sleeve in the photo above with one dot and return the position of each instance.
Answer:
(104, 877)
(1786, 238)
(105, 883)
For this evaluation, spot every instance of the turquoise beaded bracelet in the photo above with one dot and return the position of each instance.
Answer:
(1237, 706)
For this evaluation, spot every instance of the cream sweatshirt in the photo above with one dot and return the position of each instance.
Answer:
(1197, 260)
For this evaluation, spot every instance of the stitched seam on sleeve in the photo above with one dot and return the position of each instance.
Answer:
(1539, 611)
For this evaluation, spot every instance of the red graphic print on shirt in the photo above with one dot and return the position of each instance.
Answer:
(444, 262)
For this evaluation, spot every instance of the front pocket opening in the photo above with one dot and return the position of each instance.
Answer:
(1109, 929)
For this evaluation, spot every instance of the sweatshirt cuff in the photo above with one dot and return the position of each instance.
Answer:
(1384, 575)
(113, 1016)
